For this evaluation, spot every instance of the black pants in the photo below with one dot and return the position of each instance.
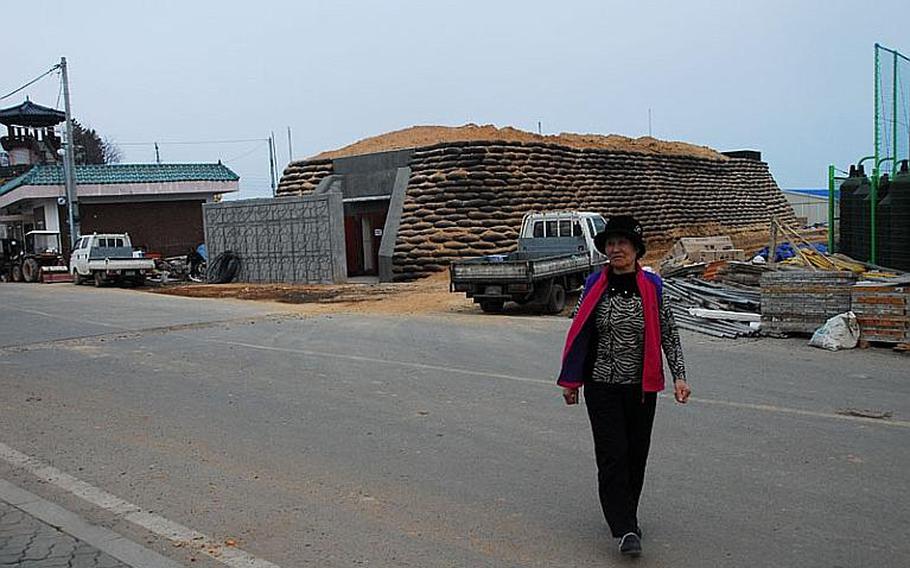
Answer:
(621, 421)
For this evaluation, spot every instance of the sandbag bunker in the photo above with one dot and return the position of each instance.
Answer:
(409, 212)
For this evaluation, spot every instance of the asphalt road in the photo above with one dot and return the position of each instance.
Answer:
(351, 440)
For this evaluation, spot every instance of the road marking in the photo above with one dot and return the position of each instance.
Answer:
(103, 539)
(165, 528)
(362, 359)
(59, 317)
(552, 383)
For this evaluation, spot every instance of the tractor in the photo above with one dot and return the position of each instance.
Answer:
(40, 260)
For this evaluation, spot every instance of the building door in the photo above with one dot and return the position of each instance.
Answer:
(363, 235)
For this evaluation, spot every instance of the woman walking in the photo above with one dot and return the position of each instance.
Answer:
(613, 349)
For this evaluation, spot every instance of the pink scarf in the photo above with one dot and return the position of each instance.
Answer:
(578, 341)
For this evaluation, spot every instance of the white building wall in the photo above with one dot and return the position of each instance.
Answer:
(813, 209)
(51, 218)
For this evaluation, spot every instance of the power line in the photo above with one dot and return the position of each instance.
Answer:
(193, 142)
(32, 82)
(256, 148)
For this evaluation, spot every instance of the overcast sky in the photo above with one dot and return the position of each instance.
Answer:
(790, 78)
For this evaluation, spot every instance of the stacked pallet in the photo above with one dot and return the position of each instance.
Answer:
(800, 301)
(883, 313)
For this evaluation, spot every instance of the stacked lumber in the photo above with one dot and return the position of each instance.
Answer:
(800, 301)
(883, 313)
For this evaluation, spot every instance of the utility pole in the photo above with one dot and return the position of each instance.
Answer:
(272, 161)
(290, 148)
(649, 122)
(157, 154)
(69, 162)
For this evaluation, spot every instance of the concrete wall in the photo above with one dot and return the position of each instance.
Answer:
(371, 175)
(289, 239)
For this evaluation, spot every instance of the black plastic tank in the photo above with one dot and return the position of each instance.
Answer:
(857, 217)
(847, 209)
(883, 222)
(899, 238)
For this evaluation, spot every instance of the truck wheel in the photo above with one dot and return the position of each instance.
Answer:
(139, 280)
(30, 270)
(492, 306)
(99, 280)
(77, 279)
(557, 300)
(16, 273)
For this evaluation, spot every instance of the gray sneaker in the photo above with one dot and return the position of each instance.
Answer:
(630, 545)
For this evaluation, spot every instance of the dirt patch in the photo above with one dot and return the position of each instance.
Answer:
(422, 136)
(430, 295)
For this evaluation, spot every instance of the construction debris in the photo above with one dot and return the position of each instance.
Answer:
(883, 313)
(801, 301)
(691, 250)
(714, 309)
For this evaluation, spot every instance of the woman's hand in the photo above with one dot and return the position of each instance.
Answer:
(681, 391)
(570, 395)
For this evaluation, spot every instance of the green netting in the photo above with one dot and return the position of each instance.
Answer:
(892, 109)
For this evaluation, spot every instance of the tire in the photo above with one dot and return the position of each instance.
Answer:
(31, 271)
(492, 306)
(77, 278)
(557, 299)
(16, 273)
(99, 279)
(139, 280)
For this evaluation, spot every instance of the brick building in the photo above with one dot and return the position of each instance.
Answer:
(159, 205)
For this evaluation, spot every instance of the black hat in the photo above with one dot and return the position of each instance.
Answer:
(625, 225)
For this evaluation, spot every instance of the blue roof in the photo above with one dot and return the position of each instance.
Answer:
(817, 192)
(123, 174)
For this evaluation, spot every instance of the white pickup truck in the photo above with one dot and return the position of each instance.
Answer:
(108, 258)
(555, 253)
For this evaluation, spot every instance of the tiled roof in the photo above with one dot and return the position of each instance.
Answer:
(30, 114)
(123, 174)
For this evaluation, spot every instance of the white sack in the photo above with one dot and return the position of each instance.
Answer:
(839, 332)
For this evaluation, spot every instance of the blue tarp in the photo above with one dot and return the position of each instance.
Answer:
(785, 251)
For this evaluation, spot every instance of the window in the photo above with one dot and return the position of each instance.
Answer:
(538, 229)
(565, 228)
(552, 229)
(109, 242)
(599, 224)
(576, 229)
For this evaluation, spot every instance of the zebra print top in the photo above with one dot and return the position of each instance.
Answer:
(619, 317)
